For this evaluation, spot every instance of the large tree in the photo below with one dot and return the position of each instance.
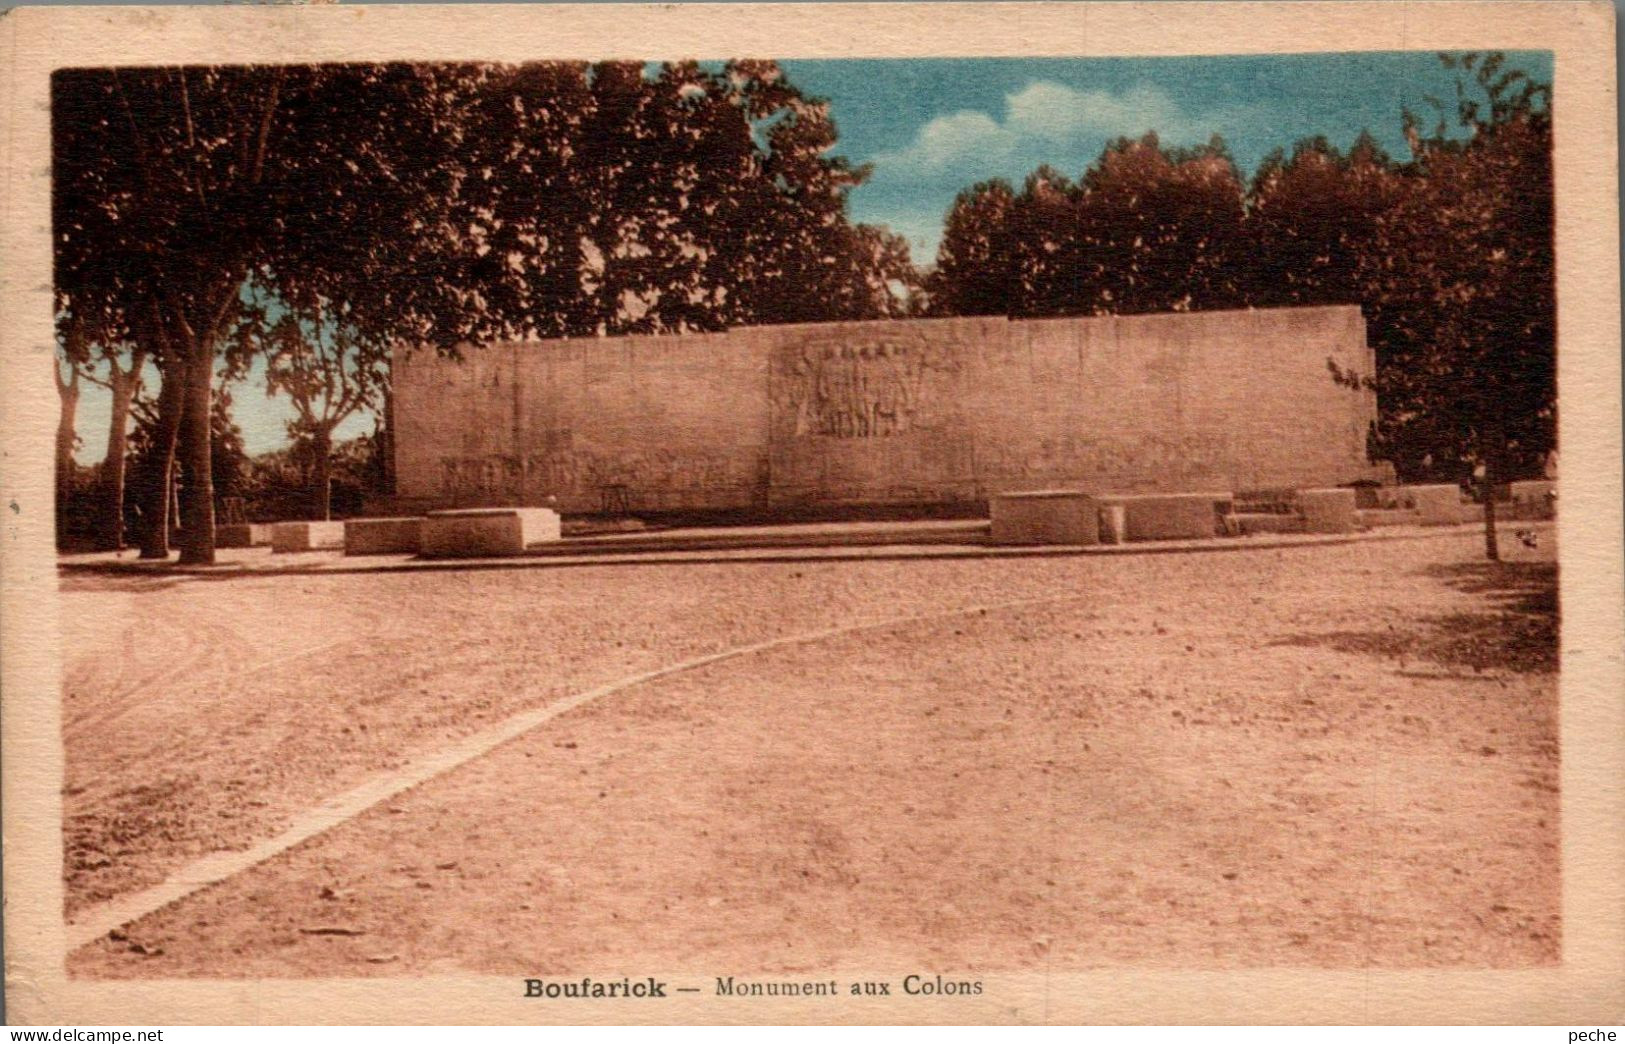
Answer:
(1467, 281)
(117, 368)
(1312, 223)
(976, 269)
(440, 205)
(228, 460)
(329, 375)
(66, 368)
(630, 200)
(123, 382)
(1047, 247)
(1161, 229)
(1146, 229)
(175, 187)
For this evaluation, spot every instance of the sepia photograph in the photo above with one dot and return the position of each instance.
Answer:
(876, 533)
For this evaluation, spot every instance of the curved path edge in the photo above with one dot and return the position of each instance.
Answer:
(93, 922)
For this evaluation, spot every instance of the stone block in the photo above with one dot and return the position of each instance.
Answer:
(1521, 511)
(1388, 498)
(1328, 510)
(1113, 524)
(1534, 498)
(487, 531)
(1254, 523)
(1055, 516)
(1171, 516)
(1438, 505)
(307, 536)
(383, 536)
(242, 534)
(1532, 489)
(1373, 517)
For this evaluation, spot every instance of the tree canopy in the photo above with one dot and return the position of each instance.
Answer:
(1449, 252)
(1147, 229)
(1467, 285)
(442, 205)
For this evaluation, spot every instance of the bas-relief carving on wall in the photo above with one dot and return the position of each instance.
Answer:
(464, 477)
(859, 390)
(582, 472)
(1106, 457)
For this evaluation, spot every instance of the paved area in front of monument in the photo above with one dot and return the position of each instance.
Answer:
(1338, 755)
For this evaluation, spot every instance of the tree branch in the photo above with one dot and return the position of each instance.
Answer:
(191, 142)
(265, 126)
(135, 135)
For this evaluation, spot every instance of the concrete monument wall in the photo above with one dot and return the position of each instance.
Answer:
(938, 411)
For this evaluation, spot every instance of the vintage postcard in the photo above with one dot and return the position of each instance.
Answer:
(834, 513)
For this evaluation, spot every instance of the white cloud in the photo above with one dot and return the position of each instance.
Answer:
(1062, 114)
(945, 139)
(1046, 122)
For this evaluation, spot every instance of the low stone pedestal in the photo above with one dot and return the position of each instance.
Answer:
(1532, 489)
(1371, 518)
(1534, 498)
(1051, 516)
(383, 536)
(1327, 510)
(480, 532)
(1256, 523)
(307, 536)
(1113, 523)
(1171, 516)
(242, 534)
(1436, 505)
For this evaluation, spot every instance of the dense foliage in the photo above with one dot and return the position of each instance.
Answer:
(1450, 253)
(195, 209)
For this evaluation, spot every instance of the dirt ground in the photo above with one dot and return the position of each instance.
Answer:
(1328, 756)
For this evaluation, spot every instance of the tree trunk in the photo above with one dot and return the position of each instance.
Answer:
(324, 475)
(122, 384)
(387, 444)
(1492, 550)
(66, 436)
(197, 519)
(160, 462)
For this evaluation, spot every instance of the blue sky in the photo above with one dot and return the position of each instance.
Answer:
(931, 127)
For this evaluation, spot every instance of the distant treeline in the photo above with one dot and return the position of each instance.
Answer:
(1449, 252)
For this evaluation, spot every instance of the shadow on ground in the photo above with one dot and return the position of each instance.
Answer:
(1515, 631)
